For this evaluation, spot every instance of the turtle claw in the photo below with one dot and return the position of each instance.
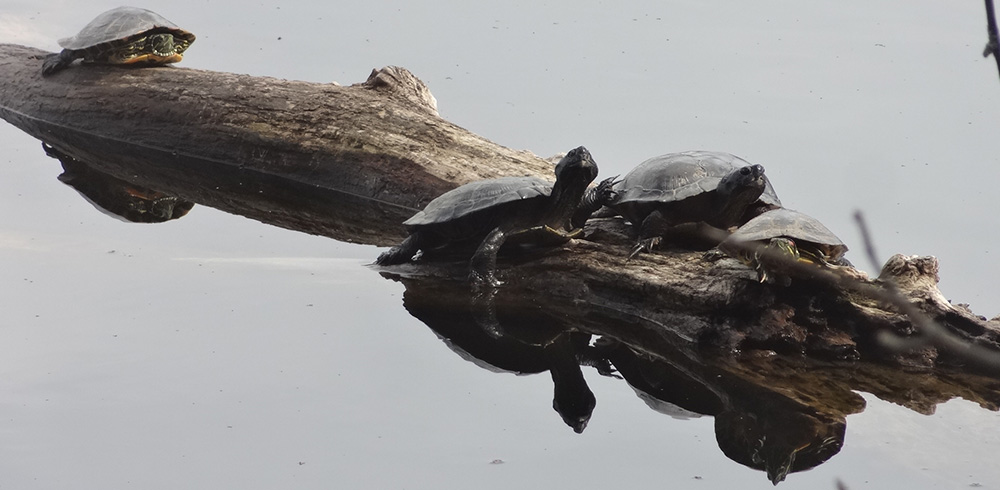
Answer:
(713, 255)
(391, 257)
(606, 189)
(761, 274)
(644, 245)
(400, 253)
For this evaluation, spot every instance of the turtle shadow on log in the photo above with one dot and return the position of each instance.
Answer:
(777, 414)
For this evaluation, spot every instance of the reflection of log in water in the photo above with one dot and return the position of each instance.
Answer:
(353, 162)
(271, 199)
(776, 414)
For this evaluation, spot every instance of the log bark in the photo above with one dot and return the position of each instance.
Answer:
(353, 162)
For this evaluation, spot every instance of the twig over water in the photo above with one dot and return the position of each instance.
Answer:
(993, 45)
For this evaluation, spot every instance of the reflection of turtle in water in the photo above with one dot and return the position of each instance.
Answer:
(784, 233)
(125, 35)
(563, 349)
(490, 211)
(715, 188)
(778, 437)
(517, 335)
(115, 197)
(756, 424)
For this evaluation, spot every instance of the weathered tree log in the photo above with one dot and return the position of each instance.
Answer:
(380, 142)
(353, 162)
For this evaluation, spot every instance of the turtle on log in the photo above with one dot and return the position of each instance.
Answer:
(769, 241)
(715, 188)
(123, 36)
(490, 211)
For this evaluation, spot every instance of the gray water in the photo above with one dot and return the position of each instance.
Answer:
(217, 352)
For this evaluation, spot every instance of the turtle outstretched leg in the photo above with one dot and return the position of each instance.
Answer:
(56, 62)
(484, 262)
(400, 253)
(594, 199)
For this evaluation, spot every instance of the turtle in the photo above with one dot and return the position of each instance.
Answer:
(715, 188)
(123, 35)
(768, 241)
(490, 211)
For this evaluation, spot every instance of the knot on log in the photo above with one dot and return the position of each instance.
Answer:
(912, 272)
(917, 277)
(400, 81)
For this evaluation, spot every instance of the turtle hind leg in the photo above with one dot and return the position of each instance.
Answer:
(400, 253)
(483, 266)
(55, 62)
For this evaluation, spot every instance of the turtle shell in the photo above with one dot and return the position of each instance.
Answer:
(807, 233)
(119, 24)
(478, 196)
(678, 176)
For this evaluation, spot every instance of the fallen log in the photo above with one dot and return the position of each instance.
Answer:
(379, 143)
(353, 162)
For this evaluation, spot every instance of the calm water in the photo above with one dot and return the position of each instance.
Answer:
(217, 352)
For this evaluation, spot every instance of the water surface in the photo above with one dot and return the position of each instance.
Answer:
(215, 351)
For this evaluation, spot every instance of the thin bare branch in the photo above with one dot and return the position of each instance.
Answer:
(993, 45)
(866, 237)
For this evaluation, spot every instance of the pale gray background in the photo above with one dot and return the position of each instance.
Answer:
(217, 352)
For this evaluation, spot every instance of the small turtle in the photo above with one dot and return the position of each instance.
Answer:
(719, 189)
(489, 211)
(768, 241)
(124, 35)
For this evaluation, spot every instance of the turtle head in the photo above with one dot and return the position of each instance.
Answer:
(743, 179)
(576, 165)
(574, 173)
(784, 246)
(772, 258)
(738, 190)
(154, 49)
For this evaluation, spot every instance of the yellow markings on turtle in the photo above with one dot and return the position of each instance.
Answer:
(153, 59)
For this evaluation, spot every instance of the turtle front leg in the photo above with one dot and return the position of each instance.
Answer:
(55, 62)
(651, 231)
(483, 266)
(400, 253)
(594, 199)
